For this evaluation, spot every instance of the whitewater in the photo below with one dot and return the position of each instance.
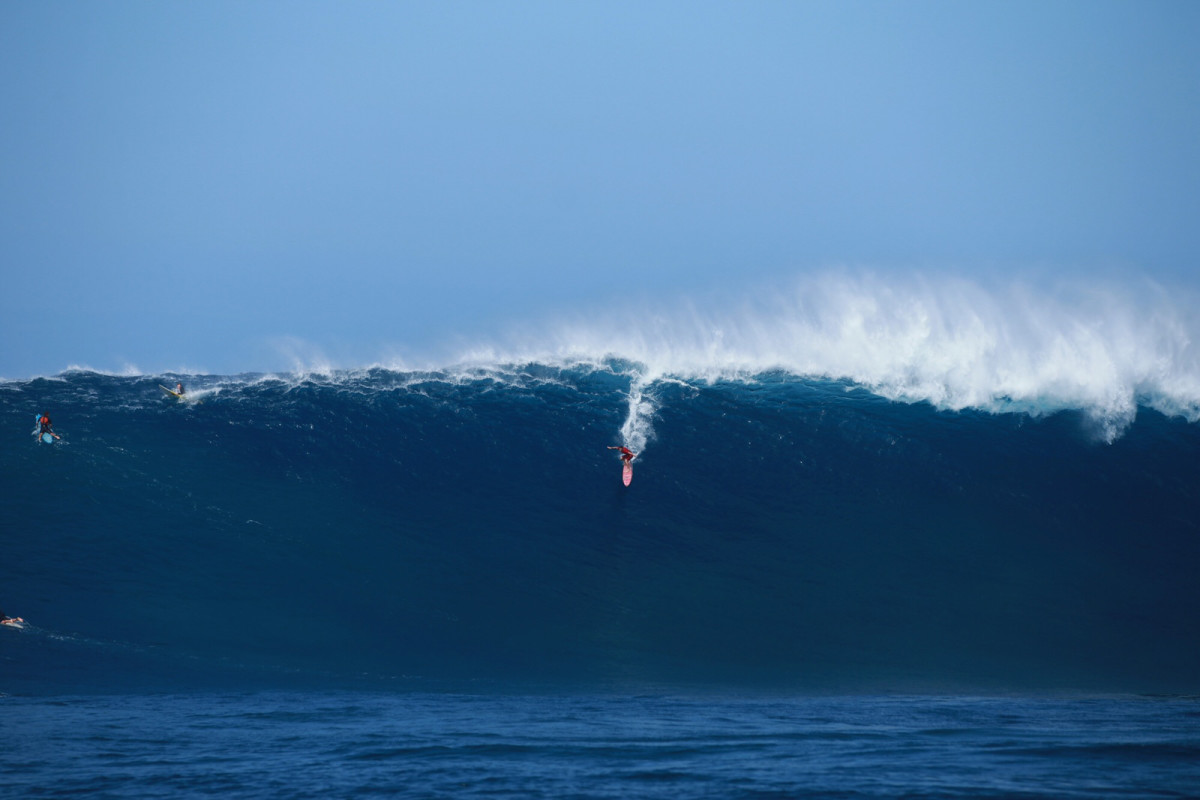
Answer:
(1103, 345)
(1100, 345)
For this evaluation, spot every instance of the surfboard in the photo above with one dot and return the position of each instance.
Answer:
(170, 391)
(627, 473)
(47, 438)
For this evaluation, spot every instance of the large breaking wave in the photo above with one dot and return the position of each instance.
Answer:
(470, 523)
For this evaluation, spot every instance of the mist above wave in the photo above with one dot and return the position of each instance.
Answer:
(1102, 347)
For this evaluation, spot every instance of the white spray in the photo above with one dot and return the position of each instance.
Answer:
(638, 427)
(1100, 346)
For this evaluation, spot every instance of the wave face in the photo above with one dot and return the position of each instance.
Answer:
(473, 526)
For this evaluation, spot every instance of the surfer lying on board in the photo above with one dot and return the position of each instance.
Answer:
(627, 455)
(45, 426)
(7, 620)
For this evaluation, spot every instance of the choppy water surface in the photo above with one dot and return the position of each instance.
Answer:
(335, 744)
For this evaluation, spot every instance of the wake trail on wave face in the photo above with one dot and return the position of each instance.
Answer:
(1098, 346)
(638, 430)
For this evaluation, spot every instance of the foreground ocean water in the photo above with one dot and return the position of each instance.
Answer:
(434, 584)
(448, 745)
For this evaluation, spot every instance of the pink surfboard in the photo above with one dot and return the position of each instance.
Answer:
(627, 473)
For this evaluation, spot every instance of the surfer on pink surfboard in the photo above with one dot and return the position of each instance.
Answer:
(627, 457)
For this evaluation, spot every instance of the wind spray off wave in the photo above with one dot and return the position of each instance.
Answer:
(1101, 347)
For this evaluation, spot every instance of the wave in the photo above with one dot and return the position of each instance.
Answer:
(470, 522)
(1103, 346)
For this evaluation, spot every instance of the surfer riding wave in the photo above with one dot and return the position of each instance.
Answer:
(627, 455)
(46, 426)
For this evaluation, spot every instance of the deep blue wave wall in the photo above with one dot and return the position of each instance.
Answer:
(778, 532)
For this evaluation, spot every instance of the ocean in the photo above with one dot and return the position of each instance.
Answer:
(432, 583)
(320, 744)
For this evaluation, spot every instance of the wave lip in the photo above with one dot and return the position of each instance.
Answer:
(1101, 348)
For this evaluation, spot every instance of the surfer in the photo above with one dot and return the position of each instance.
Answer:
(7, 620)
(45, 426)
(627, 455)
(179, 389)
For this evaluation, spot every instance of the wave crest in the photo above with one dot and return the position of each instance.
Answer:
(1101, 347)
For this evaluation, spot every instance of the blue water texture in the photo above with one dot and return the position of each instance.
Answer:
(434, 584)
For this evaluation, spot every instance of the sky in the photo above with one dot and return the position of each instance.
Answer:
(230, 186)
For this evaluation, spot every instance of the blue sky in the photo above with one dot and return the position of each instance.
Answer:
(208, 185)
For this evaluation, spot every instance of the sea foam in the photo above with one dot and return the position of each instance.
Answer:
(1102, 347)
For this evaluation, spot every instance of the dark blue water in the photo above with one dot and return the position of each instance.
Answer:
(335, 744)
(435, 584)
